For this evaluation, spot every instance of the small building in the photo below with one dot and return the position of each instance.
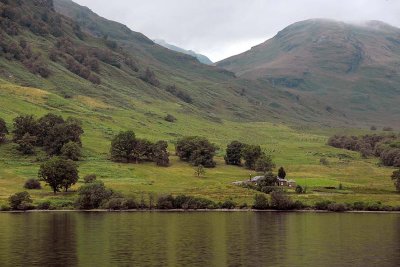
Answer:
(285, 182)
(279, 181)
(282, 182)
(292, 183)
(256, 179)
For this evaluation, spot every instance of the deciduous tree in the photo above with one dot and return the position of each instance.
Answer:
(281, 173)
(59, 173)
(234, 153)
(3, 130)
(264, 163)
(396, 179)
(250, 155)
(123, 147)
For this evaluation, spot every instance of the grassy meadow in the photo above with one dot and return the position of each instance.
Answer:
(297, 149)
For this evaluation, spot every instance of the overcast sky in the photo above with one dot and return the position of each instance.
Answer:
(222, 28)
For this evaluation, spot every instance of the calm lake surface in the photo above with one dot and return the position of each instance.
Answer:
(199, 239)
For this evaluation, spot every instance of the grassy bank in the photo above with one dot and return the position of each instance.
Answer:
(298, 149)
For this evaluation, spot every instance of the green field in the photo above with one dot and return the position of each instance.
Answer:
(298, 149)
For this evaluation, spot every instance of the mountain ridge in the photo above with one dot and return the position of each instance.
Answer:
(202, 58)
(355, 67)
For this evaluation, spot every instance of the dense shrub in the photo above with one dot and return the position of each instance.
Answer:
(268, 182)
(82, 60)
(172, 89)
(76, 68)
(150, 77)
(23, 125)
(61, 134)
(264, 163)
(36, 65)
(391, 157)
(71, 150)
(94, 79)
(92, 195)
(359, 206)
(131, 64)
(227, 204)
(114, 204)
(130, 203)
(46, 205)
(299, 189)
(120, 203)
(32, 184)
(5, 208)
(260, 202)
(3, 130)
(165, 202)
(105, 56)
(90, 178)
(374, 207)
(197, 151)
(337, 207)
(396, 179)
(170, 118)
(26, 145)
(281, 201)
(324, 161)
(20, 201)
(160, 153)
(322, 205)
(45, 124)
(188, 202)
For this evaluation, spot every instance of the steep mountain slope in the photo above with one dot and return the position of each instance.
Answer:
(216, 93)
(202, 58)
(44, 50)
(82, 55)
(352, 68)
(220, 93)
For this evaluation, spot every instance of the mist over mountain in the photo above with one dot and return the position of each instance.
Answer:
(202, 58)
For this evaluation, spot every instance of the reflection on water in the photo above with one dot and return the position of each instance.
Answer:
(199, 239)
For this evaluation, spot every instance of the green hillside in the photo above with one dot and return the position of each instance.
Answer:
(90, 70)
(299, 150)
(350, 68)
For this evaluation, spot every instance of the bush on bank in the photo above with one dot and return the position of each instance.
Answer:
(96, 195)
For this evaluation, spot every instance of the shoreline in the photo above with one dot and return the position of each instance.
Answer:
(197, 210)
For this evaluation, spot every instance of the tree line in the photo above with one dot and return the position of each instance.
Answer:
(58, 137)
(127, 148)
(196, 150)
(386, 147)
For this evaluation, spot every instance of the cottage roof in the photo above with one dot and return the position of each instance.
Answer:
(256, 178)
